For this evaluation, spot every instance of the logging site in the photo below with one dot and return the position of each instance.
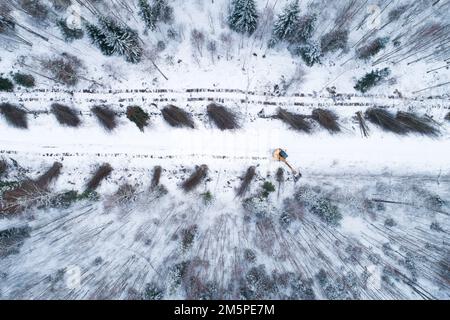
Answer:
(224, 150)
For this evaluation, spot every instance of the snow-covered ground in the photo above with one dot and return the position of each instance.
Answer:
(392, 191)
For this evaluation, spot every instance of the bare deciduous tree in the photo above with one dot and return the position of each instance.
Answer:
(198, 40)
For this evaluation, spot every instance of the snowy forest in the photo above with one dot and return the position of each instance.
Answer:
(137, 140)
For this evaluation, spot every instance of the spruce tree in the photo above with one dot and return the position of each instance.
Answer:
(98, 37)
(158, 11)
(243, 17)
(304, 29)
(285, 26)
(69, 33)
(123, 40)
(147, 14)
(310, 53)
(113, 38)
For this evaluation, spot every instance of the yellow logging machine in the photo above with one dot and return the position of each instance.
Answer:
(281, 155)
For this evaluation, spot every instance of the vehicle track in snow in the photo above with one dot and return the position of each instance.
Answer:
(227, 96)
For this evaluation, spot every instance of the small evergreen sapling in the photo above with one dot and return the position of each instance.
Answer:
(69, 34)
(25, 80)
(6, 85)
(267, 188)
(372, 79)
(310, 53)
(138, 116)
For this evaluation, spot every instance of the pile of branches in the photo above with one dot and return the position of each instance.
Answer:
(295, 121)
(66, 115)
(105, 116)
(223, 117)
(402, 122)
(386, 120)
(414, 123)
(327, 119)
(14, 115)
(177, 117)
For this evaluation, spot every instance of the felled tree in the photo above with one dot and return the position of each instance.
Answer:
(285, 25)
(310, 52)
(372, 79)
(371, 49)
(243, 17)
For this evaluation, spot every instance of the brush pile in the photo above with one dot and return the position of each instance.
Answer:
(14, 115)
(223, 118)
(327, 119)
(403, 122)
(177, 117)
(414, 123)
(105, 116)
(385, 120)
(66, 115)
(295, 121)
(157, 170)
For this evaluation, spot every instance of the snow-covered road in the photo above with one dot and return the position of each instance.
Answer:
(318, 153)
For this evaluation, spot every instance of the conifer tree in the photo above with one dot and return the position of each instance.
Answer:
(98, 37)
(243, 17)
(147, 14)
(372, 79)
(304, 29)
(285, 26)
(113, 38)
(310, 53)
(158, 11)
